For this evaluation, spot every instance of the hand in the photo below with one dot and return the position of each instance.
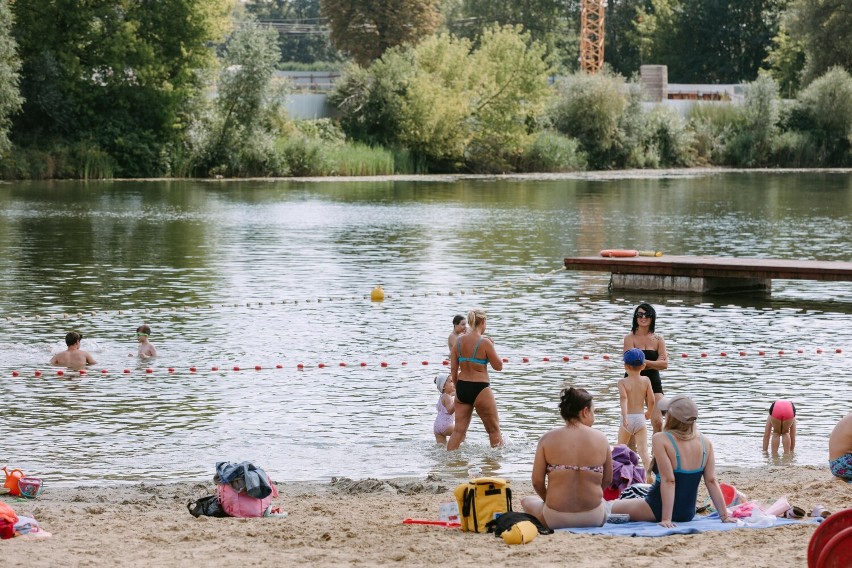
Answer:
(727, 519)
(667, 524)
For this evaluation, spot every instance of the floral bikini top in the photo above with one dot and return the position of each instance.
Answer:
(560, 467)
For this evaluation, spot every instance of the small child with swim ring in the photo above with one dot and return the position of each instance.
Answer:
(781, 426)
(635, 393)
(445, 423)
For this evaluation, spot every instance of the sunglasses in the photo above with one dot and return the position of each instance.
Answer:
(141, 335)
(643, 315)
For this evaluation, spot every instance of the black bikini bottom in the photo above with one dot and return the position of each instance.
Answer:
(467, 391)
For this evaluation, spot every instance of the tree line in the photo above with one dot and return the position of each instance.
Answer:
(127, 88)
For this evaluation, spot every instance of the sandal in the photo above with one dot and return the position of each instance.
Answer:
(795, 513)
(819, 511)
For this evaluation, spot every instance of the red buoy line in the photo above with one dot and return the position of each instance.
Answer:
(719, 356)
(147, 311)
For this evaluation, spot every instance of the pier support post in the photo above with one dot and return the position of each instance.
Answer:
(690, 284)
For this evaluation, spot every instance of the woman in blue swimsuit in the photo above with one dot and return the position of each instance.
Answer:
(682, 458)
(470, 360)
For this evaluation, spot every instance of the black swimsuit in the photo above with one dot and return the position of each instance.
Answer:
(467, 391)
(652, 374)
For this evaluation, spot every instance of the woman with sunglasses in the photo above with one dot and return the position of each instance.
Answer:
(642, 336)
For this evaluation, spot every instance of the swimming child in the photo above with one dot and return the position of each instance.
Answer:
(635, 393)
(446, 406)
(781, 424)
(146, 349)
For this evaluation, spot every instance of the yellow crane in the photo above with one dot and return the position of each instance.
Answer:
(592, 35)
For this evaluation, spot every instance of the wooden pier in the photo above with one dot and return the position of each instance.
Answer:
(707, 274)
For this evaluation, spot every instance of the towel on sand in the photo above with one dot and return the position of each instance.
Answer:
(696, 525)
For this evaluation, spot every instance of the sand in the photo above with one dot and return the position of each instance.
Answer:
(343, 522)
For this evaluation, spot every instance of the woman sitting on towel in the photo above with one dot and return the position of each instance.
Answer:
(682, 457)
(572, 466)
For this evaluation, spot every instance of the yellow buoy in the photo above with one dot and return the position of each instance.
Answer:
(377, 294)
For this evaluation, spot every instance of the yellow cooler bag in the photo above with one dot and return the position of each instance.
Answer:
(480, 500)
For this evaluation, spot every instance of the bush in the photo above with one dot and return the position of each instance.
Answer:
(753, 135)
(551, 152)
(305, 157)
(589, 109)
(825, 110)
(794, 150)
(668, 140)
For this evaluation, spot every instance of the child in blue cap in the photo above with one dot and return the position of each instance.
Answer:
(634, 394)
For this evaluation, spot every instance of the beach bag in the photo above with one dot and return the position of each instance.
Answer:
(481, 500)
(507, 520)
(207, 507)
(241, 504)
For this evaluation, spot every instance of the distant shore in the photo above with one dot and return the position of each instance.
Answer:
(347, 523)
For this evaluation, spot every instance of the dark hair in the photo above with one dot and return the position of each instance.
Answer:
(572, 402)
(72, 337)
(457, 320)
(144, 328)
(649, 309)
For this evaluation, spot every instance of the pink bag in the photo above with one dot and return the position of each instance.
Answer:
(241, 504)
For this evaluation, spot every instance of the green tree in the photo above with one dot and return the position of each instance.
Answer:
(238, 137)
(824, 111)
(786, 59)
(555, 24)
(303, 37)
(365, 29)
(622, 45)
(724, 41)
(114, 74)
(10, 65)
(824, 28)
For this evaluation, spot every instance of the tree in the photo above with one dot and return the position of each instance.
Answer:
(824, 28)
(367, 28)
(724, 41)
(622, 52)
(555, 24)
(10, 65)
(308, 41)
(115, 74)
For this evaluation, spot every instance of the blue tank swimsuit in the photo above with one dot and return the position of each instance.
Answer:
(686, 488)
(467, 391)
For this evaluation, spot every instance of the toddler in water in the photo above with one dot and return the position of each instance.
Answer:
(146, 349)
(634, 393)
(446, 406)
(781, 425)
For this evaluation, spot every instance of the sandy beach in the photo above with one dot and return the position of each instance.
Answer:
(344, 522)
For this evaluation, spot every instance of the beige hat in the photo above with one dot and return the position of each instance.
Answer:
(441, 380)
(680, 406)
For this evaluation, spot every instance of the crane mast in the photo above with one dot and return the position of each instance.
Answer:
(592, 35)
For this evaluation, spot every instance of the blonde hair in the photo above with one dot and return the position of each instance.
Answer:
(475, 316)
(680, 430)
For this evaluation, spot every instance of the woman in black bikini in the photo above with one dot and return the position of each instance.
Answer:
(470, 360)
(642, 336)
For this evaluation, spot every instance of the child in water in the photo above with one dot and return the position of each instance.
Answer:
(446, 406)
(146, 349)
(634, 394)
(781, 425)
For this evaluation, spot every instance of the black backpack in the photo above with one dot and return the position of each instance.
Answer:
(507, 520)
(207, 506)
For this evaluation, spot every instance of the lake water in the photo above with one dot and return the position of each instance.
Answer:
(269, 273)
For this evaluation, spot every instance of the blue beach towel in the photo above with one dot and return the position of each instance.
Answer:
(696, 525)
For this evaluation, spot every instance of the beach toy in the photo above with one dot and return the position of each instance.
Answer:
(731, 495)
(837, 552)
(12, 479)
(447, 524)
(377, 294)
(520, 533)
(825, 532)
(30, 487)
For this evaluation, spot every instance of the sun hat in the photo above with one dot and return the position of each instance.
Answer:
(680, 406)
(441, 380)
(634, 357)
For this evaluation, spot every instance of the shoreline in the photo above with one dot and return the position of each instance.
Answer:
(526, 176)
(359, 522)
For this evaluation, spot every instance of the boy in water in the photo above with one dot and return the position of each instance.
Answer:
(73, 358)
(781, 425)
(146, 349)
(634, 394)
